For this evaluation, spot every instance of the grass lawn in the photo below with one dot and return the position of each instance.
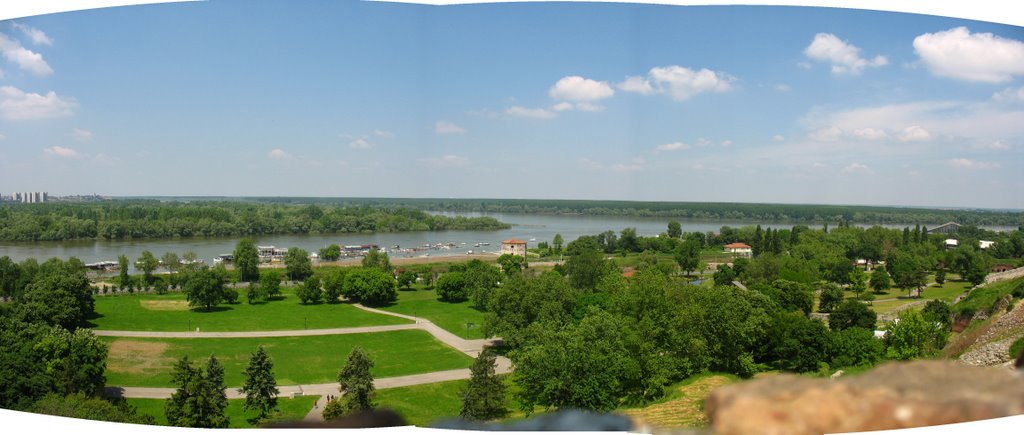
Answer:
(147, 362)
(170, 312)
(683, 404)
(421, 405)
(450, 316)
(290, 410)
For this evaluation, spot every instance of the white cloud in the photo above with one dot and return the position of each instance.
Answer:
(360, 144)
(563, 106)
(856, 168)
(679, 82)
(1009, 95)
(845, 58)
(383, 134)
(278, 153)
(997, 145)
(914, 133)
(826, 134)
(37, 36)
(81, 135)
(782, 87)
(16, 104)
(977, 57)
(576, 88)
(59, 151)
(726, 143)
(637, 84)
(26, 59)
(449, 160)
(626, 167)
(778, 138)
(523, 112)
(590, 164)
(963, 163)
(446, 127)
(869, 133)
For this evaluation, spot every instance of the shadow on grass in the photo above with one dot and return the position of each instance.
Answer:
(216, 309)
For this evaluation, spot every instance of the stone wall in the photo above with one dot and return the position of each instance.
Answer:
(1002, 276)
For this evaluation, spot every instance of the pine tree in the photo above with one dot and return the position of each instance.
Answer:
(356, 387)
(260, 387)
(197, 402)
(215, 390)
(484, 395)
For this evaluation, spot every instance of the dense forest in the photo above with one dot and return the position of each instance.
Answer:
(135, 219)
(796, 213)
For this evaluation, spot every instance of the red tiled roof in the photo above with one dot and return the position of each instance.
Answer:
(513, 242)
(737, 246)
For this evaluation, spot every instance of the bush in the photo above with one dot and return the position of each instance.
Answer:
(371, 286)
(1016, 347)
(230, 295)
(852, 314)
(855, 347)
(452, 287)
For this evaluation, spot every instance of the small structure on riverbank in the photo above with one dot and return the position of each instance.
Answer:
(514, 247)
(743, 249)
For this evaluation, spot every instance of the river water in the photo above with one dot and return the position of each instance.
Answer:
(532, 228)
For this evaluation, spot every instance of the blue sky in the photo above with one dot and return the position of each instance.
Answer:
(590, 101)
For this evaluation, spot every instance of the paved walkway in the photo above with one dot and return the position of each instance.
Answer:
(471, 348)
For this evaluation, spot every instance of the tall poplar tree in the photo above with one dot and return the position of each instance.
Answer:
(484, 395)
(247, 259)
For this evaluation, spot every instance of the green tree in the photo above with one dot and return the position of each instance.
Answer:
(406, 278)
(216, 391)
(857, 281)
(831, 296)
(334, 284)
(940, 276)
(331, 253)
(122, 266)
(512, 264)
(688, 256)
(9, 274)
(855, 346)
(247, 260)
(911, 337)
(82, 406)
(557, 243)
(147, 263)
(75, 362)
(907, 271)
(377, 260)
(880, 280)
(452, 287)
(309, 292)
(483, 398)
(798, 343)
(59, 294)
(170, 261)
(192, 404)
(260, 387)
(587, 267)
(852, 314)
(937, 311)
(270, 283)
(356, 386)
(254, 294)
(675, 230)
(724, 275)
(370, 286)
(204, 288)
(297, 263)
(789, 295)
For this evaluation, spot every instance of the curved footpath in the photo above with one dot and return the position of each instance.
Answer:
(471, 348)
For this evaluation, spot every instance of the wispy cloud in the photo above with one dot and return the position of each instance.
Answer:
(523, 112)
(446, 161)
(279, 154)
(81, 135)
(447, 127)
(62, 152)
(360, 144)
(674, 146)
(26, 59)
(17, 105)
(35, 35)
(962, 163)
(679, 82)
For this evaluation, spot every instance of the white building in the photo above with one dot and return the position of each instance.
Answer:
(514, 247)
(743, 249)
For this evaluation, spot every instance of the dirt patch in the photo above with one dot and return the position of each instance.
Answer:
(133, 356)
(164, 305)
(686, 410)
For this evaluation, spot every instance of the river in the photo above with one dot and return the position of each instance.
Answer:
(532, 228)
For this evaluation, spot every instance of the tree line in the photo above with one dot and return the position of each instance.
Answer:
(802, 213)
(138, 219)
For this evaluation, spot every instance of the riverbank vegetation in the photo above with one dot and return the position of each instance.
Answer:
(141, 219)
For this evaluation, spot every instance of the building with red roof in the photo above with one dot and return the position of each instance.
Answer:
(740, 248)
(514, 247)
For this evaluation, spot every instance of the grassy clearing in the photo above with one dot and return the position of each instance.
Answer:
(421, 405)
(683, 404)
(147, 362)
(290, 410)
(170, 312)
(448, 315)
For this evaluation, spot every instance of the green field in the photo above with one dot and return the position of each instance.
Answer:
(450, 316)
(421, 405)
(290, 410)
(170, 312)
(147, 362)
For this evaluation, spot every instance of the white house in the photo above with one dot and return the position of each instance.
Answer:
(951, 243)
(985, 244)
(740, 248)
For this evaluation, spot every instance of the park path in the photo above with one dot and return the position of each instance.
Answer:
(471, 348)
